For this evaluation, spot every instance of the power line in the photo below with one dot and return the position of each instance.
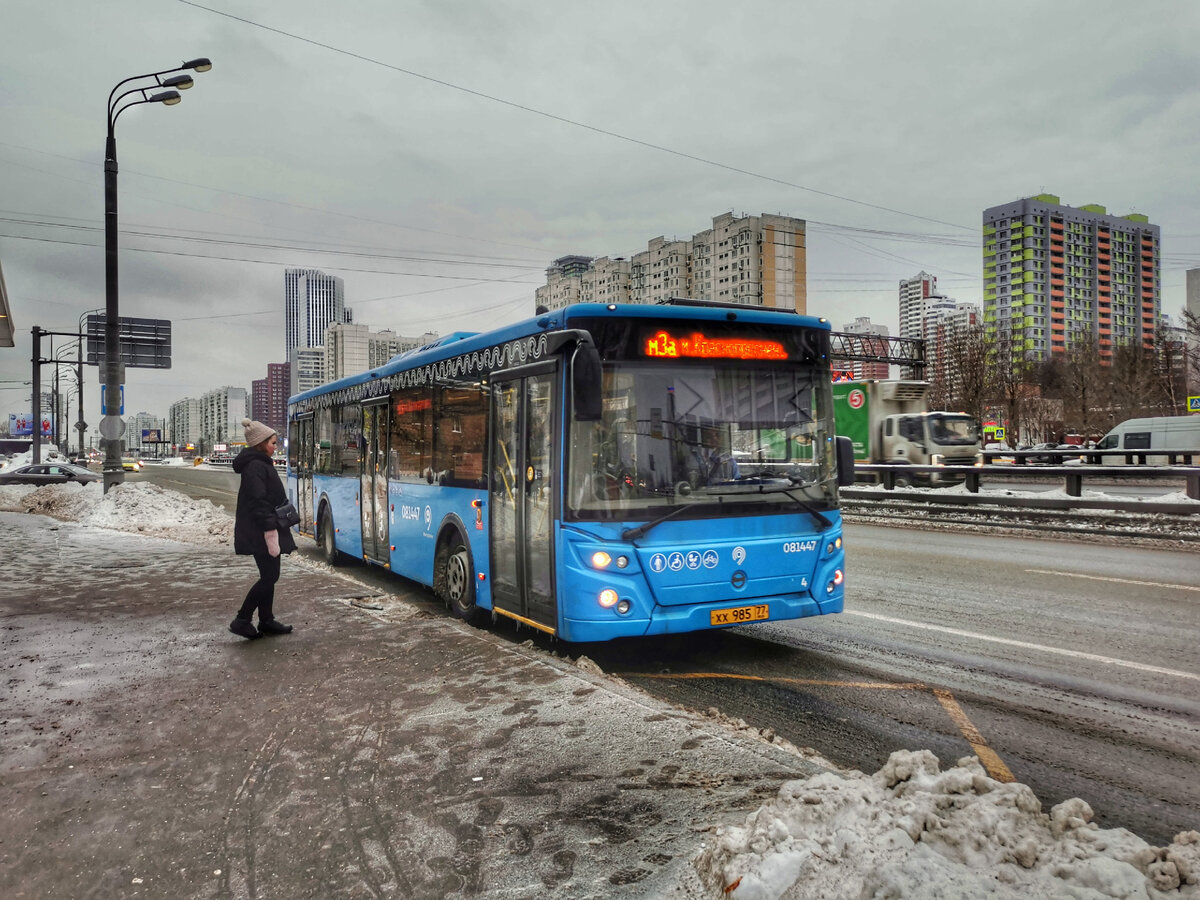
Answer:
(557, 118)
(262, 245)
(268, 262)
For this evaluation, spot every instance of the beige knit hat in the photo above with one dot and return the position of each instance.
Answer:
(256, 432)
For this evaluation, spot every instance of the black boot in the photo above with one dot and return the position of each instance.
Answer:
(273, 626)
(245, 628)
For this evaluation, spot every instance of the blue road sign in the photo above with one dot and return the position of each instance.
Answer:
(104, 401)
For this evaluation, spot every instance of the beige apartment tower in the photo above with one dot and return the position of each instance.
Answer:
(750, 260)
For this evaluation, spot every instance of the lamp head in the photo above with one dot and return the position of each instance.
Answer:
(166, 98)
(200, 65)
(181, 82)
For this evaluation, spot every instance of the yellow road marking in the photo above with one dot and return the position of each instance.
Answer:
(994, 765)
(987, 756)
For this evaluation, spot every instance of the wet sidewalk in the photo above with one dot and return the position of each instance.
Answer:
(373, 753)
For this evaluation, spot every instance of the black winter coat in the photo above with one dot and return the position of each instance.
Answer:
(260, 492)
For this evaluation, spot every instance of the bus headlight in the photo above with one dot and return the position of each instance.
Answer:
(835, 582)
(835, 544)
(600, 559)
(608, 598)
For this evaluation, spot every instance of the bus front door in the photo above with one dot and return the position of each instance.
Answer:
(373, 496)
(521, 504)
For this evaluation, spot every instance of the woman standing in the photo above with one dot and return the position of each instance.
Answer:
(256, 530)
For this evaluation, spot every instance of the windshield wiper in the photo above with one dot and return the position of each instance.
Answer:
(632, 534)
(796, 483)
(811, 510)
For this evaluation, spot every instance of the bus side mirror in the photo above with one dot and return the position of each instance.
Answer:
(585, 383)
(845, 461)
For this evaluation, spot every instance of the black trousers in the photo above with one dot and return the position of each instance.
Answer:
(261, 595)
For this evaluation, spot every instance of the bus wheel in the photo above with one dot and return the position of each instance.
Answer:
(454, 577)
(329, 550)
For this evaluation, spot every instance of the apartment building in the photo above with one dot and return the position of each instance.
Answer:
(1055, 276)
(221, 414)
(947, 322)
(144, 433)
(351, 349)
(752, 260)
(269, 396)
(858, 369)
(306, 369)
(915, 293)
(183, 423)
(607, 280)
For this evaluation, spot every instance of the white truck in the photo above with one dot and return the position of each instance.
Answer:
(888, 423)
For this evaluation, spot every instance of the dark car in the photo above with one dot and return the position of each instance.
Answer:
(1049, 459)
(48, 473)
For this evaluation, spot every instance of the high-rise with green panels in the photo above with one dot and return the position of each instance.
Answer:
(1057, 276)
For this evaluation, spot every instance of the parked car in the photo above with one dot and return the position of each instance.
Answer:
(1049, 459)
(1000, 460)
(48, 473)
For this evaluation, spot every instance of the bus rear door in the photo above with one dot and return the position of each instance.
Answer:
(521, 504)
(373, 491)
(302, 457)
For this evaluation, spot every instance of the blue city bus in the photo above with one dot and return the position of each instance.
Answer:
(594, 472)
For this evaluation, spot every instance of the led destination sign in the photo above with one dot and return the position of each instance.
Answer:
(698, 346)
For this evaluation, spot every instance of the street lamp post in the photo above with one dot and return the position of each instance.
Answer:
(112, 426)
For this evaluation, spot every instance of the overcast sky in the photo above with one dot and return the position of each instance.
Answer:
(439, 155)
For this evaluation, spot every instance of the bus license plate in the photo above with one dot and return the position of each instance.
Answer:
(738, 614)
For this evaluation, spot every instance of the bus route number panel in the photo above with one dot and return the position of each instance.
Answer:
(738, 615)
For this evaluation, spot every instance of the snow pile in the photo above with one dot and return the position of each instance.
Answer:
(25, 458)
(912, 830)
(139, 507)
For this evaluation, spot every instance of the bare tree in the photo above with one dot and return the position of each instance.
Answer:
(1134, 381)
(970, 394)
(1010, 377)
(1170, 372)
(1085, 391)
(1191, 366)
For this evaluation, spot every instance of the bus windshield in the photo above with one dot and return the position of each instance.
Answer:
(752, 438)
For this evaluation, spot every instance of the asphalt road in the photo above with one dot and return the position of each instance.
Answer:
(1071, 667)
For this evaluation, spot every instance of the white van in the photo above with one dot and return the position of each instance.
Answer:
(1158, 433)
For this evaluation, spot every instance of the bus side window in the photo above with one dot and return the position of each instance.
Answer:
(348, 440)
(411, 439)
(460, 434)
(1137, 440)
(324, 442)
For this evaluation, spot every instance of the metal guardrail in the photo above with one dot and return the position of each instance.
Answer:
(225, 462)
(1091, 456)
(1073, 478)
